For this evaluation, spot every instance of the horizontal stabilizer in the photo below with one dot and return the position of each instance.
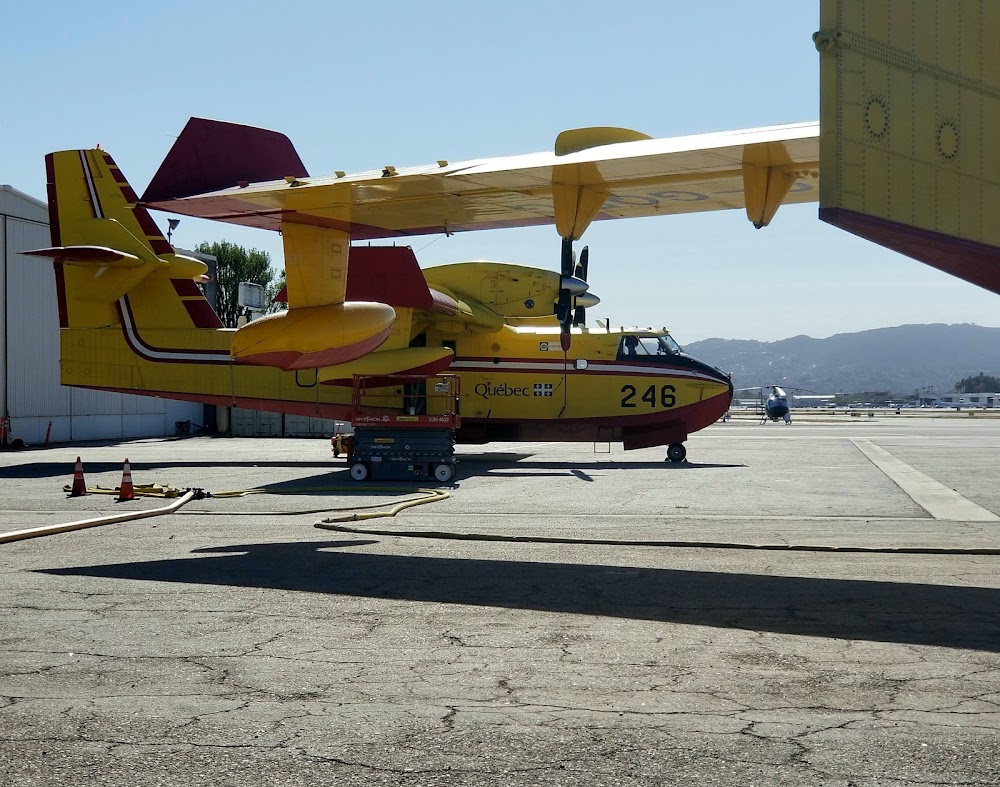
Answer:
(88, 255)
(210, 155)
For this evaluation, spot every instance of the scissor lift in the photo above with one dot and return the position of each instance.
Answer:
(405, 443)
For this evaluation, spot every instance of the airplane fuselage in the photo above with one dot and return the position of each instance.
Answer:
(518, 384)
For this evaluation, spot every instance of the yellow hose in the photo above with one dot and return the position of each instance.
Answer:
(429, 496)
(159, 490)
(432, 496)
(50, 530)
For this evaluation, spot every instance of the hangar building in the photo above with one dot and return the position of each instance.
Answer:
(37, 406)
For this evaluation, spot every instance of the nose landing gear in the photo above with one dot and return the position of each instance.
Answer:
(676, 452)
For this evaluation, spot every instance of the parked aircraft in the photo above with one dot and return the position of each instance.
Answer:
(133, 318)
(775, 406)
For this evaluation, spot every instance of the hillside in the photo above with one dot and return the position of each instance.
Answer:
(899, 360)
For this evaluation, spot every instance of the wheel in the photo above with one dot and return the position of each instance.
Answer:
(359, 471)
(444, 473)
(676, 452)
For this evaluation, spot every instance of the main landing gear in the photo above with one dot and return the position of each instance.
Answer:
(676, 452)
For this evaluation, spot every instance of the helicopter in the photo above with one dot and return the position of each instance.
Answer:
(775, 406)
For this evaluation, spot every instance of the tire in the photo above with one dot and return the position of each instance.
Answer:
(359, 471)
(444, 473)
(676, 452)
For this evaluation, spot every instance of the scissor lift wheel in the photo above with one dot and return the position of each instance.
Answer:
(444, 473)
(359, 471)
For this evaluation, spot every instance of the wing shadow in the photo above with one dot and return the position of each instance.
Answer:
(901, 612)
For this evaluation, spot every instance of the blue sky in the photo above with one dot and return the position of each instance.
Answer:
(359, 85)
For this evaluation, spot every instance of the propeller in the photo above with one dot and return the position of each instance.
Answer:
(573, 296)
(580, 313)
(564, 305)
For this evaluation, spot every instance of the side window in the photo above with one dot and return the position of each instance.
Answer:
(641, 347)
(628, 347)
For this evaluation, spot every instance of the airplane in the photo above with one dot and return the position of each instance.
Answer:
(133, 318)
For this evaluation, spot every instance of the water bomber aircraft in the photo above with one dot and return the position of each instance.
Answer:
(134, 319)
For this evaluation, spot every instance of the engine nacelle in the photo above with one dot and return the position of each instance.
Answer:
(314, 336)
(507, 290)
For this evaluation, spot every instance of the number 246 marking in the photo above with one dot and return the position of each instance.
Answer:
(666, 397)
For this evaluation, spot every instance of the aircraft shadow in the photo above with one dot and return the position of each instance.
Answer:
(573, 468)
(64, 469)
(336, 469)
(850, 609)
(498, 461)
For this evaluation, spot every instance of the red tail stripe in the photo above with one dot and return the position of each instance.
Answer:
(186, 288)
(116, 173)
(202, 315)
(50, 180)
(61, 293)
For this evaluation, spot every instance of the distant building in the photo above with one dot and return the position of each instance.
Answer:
(973, 400)
(30, 394)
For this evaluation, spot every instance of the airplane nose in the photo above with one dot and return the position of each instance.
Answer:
(718, 374)
(705, 369)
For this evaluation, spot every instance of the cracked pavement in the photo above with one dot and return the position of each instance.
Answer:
(232, 645)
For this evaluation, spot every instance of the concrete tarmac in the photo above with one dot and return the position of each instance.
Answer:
(234, 643)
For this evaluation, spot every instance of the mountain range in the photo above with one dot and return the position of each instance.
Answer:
(899, 360)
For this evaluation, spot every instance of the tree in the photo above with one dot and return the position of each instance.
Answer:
(981, 383)
(233, 265)
(270, 305)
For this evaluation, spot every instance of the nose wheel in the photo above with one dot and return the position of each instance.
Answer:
(676, 452)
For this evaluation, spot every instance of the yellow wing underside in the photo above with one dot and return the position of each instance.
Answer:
(597, 174)
(755, 169)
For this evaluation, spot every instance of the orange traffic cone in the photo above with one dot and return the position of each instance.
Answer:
(79, 485)
(126, 491)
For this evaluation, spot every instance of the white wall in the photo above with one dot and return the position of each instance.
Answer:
(256, 423)
(30, 392)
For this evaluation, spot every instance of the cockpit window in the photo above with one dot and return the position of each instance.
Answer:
(647, 346)
(672, 346)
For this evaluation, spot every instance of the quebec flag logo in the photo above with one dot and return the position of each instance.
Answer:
(543, 389)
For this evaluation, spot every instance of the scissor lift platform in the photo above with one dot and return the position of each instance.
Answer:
(414, 442)
(403, 454)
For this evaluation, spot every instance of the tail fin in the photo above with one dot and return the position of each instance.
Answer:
(106, 248)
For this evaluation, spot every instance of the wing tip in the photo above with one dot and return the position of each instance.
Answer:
(210, 155)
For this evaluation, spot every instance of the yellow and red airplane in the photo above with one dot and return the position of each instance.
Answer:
(133, 318)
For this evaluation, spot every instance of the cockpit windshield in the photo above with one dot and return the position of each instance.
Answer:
(672, 346)
(633, 346)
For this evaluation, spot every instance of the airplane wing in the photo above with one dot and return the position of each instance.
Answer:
(593, 174)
